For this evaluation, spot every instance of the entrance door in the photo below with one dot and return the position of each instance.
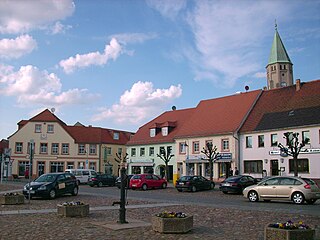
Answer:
(274, 167)
(40, 168)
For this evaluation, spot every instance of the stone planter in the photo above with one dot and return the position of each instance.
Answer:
(271, 233)
(172, 225)
(73, 210)
(12, 199)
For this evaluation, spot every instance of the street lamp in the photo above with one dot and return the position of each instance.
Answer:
(187, 158)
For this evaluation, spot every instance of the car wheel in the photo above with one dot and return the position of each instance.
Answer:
(225, 192)
(100, 184)
(193, 189)
(75, 191)
(253, 196)
(311, 201)
(144, 187)
(297, 198)
(164, 185)
(179, 190)
(212, 185)
(52, 194)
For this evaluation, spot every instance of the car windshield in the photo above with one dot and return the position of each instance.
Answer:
(232, 179)
(46, 178)
(186, 178)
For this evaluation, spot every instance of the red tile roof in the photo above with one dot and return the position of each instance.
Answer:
(281, 100)
(80, 133)
(174, 119)
(219, 116)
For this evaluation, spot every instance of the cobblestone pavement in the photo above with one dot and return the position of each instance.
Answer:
(209, 223)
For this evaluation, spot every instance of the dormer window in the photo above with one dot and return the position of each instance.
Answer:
(152, 132)
(164, 131)
(116, 136)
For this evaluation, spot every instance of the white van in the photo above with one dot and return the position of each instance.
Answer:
(82, 175)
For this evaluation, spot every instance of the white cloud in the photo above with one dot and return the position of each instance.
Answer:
(18, 16)
(32, 86)
(260, 75)
(126, 38)
(168, 8)
(139, 103)
(58, 27)
(15, 48)
(111, 51)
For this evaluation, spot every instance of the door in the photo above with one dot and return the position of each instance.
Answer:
(268, 189)
(274, 167)
(40, 168)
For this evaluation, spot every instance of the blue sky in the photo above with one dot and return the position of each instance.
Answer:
(118, 64)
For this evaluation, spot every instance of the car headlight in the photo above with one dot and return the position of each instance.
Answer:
(25, 187)
(43, 187)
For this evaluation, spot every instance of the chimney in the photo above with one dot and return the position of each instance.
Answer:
(298, 84)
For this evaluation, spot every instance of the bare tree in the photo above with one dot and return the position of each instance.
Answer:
(165, 156)
(293, 148)
(211, 155)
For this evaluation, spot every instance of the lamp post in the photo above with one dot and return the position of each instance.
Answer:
(30, 166)
(187, 158)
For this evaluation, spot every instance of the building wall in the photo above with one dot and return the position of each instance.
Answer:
(108, 164)
(269, 156)
(60, 136)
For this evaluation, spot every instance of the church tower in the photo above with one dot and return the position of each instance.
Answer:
(279, 68)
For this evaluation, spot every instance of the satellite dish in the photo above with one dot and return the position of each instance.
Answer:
(52, 110)
(246, 88)
(174, 108)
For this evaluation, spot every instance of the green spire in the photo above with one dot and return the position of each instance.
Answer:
(278, 52)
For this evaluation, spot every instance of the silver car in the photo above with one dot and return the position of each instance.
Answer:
(287, 188)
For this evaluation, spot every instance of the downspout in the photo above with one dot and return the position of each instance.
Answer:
(236, 134)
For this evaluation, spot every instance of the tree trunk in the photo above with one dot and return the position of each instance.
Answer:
(211, 170)
(167, 172)
(295, 166)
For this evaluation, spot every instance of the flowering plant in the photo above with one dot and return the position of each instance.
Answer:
(11, 194)
(289, 225)
(72, 203)
(171, 215)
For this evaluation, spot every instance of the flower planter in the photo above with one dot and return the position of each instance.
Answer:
(172, 225)
(271, 233)
(73, 210)
(12, 199)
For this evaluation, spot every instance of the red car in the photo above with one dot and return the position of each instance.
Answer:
(147, 181)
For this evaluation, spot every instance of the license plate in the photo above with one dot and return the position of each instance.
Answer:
(226, 184)
(31, 192)
(134, 185)
(181, 183)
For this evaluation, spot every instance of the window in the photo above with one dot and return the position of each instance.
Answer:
(50, 128)
(54, 148)
(142, 152)
(249, 142)
(306, 136)
(225, 144)
(253, 166)
(81, 149)
(65, 148)
(164, 131)
(119, 151)
(152, 132)
(196, 147)
(43, 148)
(260, 141)
(37, 128)
(182, 148)
(169, 149)
(19, 147)
(93, 149)
(133, 152)
(161, 151)
(109, 150)
(274, 140)
(303, 165)
(151, 151)
(57, 166)
(116, 136)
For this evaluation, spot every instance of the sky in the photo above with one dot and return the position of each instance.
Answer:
(118, 64)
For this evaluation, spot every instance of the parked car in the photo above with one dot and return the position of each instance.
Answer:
(118, 181)
(293, 189)
(51, 185)
(194, 183)
(82, 175)
(236, 184)
(102, 180)
(147, 181)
